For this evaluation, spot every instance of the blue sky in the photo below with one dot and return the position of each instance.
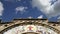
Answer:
(12, 9)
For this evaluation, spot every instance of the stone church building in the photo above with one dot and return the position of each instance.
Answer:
(30, 26)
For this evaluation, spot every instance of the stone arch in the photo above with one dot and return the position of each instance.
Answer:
(13, 26)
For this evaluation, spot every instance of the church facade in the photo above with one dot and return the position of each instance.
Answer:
(30, 26)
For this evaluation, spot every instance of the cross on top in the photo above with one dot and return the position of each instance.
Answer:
(30, 27)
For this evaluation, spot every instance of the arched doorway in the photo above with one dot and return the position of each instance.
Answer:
(30, 33)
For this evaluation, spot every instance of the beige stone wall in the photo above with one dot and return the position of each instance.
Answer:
(27, 21)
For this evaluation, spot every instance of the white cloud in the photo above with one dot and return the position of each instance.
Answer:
(46, 7)
(12, 0)
(30, 17)
(19, 0)
(41, 16)
(21, 9)
(1, 8)
(58, 17)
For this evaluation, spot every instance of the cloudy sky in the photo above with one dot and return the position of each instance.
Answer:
(10, 9)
